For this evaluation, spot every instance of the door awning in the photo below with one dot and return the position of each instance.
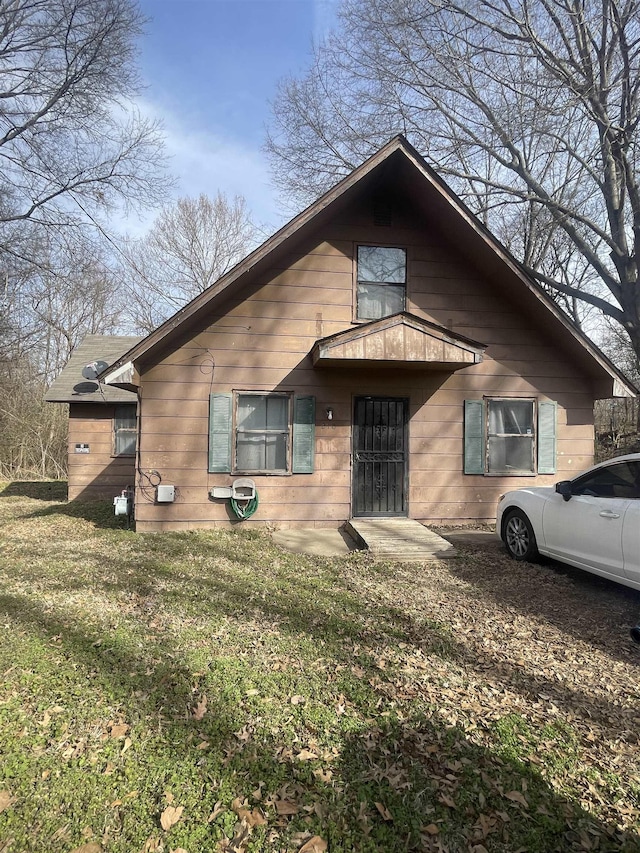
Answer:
(402, 340)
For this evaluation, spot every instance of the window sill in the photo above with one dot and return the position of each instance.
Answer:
(510, 474)
(241, 473)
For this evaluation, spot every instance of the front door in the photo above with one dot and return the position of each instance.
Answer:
(380, 456)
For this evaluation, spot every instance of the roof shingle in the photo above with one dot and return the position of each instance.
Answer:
(72, 387)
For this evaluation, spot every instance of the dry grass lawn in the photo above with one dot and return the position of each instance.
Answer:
(211, 692)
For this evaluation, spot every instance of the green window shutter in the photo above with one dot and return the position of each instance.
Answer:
(304, 434)
(220, 433)
(474, 437)
(547, 417)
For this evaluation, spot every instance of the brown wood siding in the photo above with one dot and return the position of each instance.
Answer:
(262, 340)
(97, 475)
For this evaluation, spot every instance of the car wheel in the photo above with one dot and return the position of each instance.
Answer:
(519, 537)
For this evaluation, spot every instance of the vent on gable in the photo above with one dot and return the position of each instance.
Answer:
(382, 210)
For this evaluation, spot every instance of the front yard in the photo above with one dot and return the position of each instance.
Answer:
(211, 692)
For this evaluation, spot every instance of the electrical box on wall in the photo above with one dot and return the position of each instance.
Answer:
(165, 494)
(221, 492)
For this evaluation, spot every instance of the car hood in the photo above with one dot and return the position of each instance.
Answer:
(535, 491)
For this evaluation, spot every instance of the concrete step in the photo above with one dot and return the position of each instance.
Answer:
(400, 539)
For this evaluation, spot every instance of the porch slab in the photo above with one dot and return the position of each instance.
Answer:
(319, 541)
(400, 539)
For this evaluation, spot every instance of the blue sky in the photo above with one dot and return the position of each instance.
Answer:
(210, 68)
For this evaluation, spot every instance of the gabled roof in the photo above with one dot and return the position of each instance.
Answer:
(401, 340)
(402, 167)
(72, 387)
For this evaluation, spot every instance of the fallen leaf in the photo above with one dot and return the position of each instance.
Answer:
(6, 800)
(432, 829)
(200, 710)
(170, 816)
(252, 817)
(204, 744)
(314, 845)
(285, 807)
(297, 700)
(92, 847)
(179, 850)
(306, 755)
(119, 730)
(323, 775)
(217, 809)
(447, 801)
(384, 811)
(517, 797)
(126, 745)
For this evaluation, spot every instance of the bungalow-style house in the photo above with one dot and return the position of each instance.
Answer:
(380, 355)
(102, 420)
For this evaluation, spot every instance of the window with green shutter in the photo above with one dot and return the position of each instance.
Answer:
(509, 436)
(256, 433)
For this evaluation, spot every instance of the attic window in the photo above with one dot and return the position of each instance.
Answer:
(381, 211)
(381, 281)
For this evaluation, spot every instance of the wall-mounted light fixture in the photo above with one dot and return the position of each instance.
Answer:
(329, 414)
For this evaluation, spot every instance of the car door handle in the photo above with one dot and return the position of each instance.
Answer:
(607, 513)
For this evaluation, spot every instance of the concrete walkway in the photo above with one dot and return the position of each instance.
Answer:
(320, 541)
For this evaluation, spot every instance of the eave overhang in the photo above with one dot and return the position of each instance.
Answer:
(124, 376)
(402, 340)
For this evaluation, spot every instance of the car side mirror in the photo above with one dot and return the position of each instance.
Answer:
(564, 488)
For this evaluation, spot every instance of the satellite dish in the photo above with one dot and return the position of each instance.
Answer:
(93, 369)
(85, 387)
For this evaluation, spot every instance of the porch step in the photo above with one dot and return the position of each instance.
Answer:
(400, 539)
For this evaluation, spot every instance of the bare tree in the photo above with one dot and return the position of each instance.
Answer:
(46, 309)
(190, 245)
(72, 148)
(530, 107)
(71, 143)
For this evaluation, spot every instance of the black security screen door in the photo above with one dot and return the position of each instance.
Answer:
(379, 456)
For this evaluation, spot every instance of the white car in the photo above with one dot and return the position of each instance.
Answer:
(591, 522)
